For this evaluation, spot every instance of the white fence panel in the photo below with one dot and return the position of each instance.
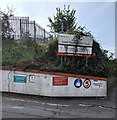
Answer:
(52, 85)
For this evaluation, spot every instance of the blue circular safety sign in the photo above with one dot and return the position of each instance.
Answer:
(78, 83)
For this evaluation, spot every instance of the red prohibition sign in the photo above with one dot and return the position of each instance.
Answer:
(87, 83)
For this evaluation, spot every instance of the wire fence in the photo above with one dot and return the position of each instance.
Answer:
(23, 27)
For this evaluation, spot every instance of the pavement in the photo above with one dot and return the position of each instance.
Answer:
(29, 106)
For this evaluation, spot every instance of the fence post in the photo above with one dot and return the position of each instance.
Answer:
(34, 32)
(27, 25)
(20, 30)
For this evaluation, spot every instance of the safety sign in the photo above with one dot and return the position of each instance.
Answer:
(97, 84)
(31, 78)
(78, 83)
(87, 83)
(20, 78)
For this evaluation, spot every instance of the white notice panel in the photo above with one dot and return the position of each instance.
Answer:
(72, 49)
(67, 45)
(66, 39)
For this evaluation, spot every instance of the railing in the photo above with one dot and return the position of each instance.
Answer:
(22, 26)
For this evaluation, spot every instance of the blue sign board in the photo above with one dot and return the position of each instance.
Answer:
(20, 78)
(78, 83)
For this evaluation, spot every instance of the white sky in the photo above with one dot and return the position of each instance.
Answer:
(98, 17)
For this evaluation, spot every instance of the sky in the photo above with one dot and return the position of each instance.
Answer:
(97, 17)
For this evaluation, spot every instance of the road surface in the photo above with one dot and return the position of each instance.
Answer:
(24, 106)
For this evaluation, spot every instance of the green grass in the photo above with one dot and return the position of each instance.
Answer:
(16, 53)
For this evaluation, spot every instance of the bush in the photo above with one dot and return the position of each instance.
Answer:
(52, 48)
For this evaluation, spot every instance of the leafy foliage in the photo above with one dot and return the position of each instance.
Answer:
(52, 48)
(6, 28)
(64, 20)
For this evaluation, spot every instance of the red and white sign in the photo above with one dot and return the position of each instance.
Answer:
(60, 81)
(87, 83)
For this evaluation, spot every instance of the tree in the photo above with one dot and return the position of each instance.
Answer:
(98, 64)
(6, 28)
(64, 20)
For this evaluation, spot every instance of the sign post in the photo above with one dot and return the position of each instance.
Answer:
(61, 32)
(61, 61)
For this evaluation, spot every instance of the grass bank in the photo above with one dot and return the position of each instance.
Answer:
(43, 56)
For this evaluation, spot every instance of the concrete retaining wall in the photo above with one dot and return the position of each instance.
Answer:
(52, 84)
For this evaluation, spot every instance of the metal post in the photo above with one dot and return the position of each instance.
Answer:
(61, 61)
(20, 30)
(86, 61)
(27, 25)
(62, 27)
(34, 32)
(44, 34)
(61, 56)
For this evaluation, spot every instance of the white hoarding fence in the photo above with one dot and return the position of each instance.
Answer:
(52, 84)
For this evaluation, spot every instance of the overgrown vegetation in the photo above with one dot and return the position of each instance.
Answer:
(64, 20)
(43, 56)
(16, 53)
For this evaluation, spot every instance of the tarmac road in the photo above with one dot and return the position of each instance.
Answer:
(24, 106)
